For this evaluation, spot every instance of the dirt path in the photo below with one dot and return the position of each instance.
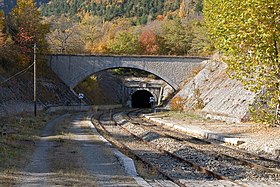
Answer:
(70, 153)
(37, 171)
(99, 157)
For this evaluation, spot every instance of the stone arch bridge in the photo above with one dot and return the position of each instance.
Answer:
(72, 69)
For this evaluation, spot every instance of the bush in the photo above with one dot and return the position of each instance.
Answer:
(177, 103)
(198, 103)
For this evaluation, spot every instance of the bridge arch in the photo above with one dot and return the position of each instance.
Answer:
(85, 77)
(72, 69)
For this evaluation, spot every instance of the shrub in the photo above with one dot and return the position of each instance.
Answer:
(177, 103)
(198, 103)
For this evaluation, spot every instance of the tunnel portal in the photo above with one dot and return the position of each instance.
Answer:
(141, 99)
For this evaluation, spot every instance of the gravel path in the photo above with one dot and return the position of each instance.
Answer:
(37, 171)
(99, 157)
(77, 157)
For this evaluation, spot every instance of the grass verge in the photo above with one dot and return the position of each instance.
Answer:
(17, 147)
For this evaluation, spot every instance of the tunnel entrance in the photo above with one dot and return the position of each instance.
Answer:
(141, 99)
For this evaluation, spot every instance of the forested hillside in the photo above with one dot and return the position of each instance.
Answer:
(141, 10)
(130, 27)
(139, 27)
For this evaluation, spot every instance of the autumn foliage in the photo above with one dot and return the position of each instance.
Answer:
(26, 28)
(247, 35)
(177, 103)
(148, 42)
(1, 28)
(24, 40)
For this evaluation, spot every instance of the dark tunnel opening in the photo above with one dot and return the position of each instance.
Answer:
(141, 99)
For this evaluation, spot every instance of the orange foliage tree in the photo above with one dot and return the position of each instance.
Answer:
(26, 27)
(148, 42)
(1, 28)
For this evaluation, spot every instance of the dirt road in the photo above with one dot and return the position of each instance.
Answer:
(71, 153)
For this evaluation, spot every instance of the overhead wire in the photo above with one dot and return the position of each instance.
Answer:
(17, 74)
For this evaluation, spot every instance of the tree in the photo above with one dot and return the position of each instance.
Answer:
(26, 27)
(177, 38)
(2, 40)
(200, 45)
(91, 31)
(55, 7)
(247, 35)
(2, 28)
(65, 35)
(124, 43)
(148, 41)
(182, 9)
(108, 34)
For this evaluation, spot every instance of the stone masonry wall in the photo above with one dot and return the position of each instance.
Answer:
(223, 98)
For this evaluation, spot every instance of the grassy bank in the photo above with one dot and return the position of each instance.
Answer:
(17, 147)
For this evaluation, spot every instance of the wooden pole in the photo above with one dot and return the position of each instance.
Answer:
(35, 83)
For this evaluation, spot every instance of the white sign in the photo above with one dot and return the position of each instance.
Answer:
(152, 99)
(81, 96)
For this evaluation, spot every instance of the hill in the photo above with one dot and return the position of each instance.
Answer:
(16, 94)
(142, 10)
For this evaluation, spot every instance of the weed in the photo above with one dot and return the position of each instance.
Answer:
(177, 103)
(198, 104)
(17, 147)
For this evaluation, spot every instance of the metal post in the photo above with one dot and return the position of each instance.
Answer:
(35, 83)
(160, 95)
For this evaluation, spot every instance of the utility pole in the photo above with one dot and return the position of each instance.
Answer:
(35, 83)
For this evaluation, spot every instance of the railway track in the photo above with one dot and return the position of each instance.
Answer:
(265, 168)
(181, 173)
(108, 128)
(253, 160)
(186, 160)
